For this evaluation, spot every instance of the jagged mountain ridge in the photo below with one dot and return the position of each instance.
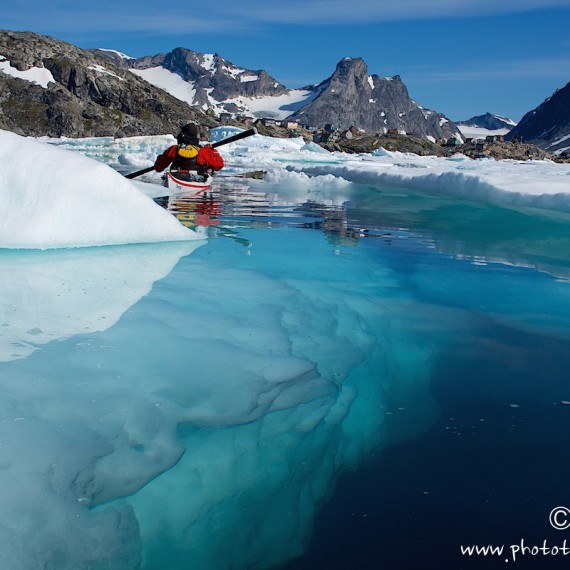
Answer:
(547, 126)
(84, 95)
(350, 97)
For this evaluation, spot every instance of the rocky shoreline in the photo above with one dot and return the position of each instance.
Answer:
(369, 142)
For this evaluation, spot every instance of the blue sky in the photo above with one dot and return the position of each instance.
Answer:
(458, 57)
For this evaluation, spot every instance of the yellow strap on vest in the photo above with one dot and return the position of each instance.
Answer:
(189, 151)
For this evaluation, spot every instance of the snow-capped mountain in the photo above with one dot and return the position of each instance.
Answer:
(488, 121)
(484, 125)
(350, 97)
(547, 126)
(209, 81)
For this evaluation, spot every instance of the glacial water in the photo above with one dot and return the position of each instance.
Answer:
(373, 382)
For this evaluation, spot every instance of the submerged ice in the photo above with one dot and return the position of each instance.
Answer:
(223, 390)
(50, 295)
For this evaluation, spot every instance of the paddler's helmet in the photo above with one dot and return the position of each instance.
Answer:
(189, 134)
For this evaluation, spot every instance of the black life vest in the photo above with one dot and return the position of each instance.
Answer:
(186, 158)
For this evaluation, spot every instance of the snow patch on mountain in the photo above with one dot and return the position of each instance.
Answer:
(104, 70)
(209, 62)
(168, 81)
(277, 107)
(39, 75)
(506, 120)
(116, 54)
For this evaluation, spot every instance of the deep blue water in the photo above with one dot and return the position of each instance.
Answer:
(475, 453)
(483, 473)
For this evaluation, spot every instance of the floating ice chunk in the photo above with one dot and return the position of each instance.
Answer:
(313, 147)
(68, 200)
(381, 152)
(458, 157)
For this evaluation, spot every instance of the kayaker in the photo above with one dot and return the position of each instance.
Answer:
(187, 159)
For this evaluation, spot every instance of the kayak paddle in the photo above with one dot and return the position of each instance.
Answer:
(239, 136)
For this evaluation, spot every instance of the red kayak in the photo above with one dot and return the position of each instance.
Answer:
(197, 185)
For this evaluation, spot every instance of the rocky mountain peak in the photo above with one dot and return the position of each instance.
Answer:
(350, 67)
(352, 97)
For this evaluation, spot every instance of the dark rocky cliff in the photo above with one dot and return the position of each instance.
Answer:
(547, 126)
(89, 96)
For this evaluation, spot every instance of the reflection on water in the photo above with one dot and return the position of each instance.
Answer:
(481, 233)
(231, 206)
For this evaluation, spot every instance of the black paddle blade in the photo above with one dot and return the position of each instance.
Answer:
(239, 136)
(139, 172)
